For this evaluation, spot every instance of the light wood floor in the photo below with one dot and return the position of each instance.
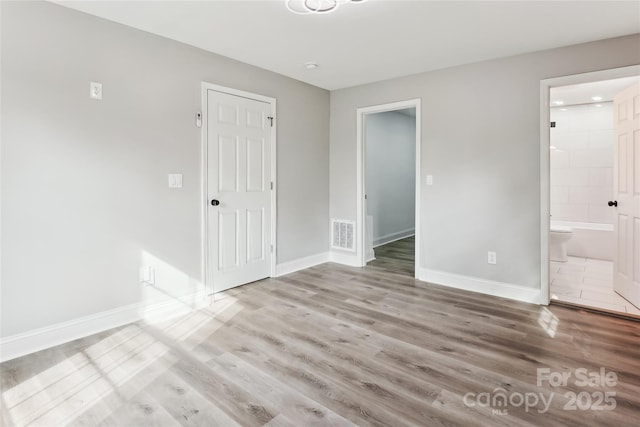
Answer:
(331, 345)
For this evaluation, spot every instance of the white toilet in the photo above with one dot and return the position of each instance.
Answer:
(558, 238)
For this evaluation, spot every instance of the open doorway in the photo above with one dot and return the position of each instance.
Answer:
(591, 247)
(388, 186)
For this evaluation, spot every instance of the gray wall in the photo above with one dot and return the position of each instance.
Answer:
(480, 141)
(390, 170)
(84, 183)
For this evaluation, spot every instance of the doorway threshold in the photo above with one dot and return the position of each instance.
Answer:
(597, 310)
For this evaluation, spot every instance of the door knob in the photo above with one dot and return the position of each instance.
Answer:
(614, 203)
(215, 202)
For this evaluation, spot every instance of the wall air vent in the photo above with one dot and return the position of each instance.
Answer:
(343, 234)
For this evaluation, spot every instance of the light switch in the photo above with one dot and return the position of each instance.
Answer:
(175, 180)
(429, 179)
(95, 90)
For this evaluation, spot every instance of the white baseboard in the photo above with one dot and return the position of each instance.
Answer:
(174, 307)
(301, 263)
(388, 238)
(484, 286)
(51, 336)
(351, 259)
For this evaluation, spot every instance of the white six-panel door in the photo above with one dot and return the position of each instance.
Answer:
(627, 193)
(239, 179)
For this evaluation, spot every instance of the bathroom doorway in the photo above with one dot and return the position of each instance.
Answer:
(388, 170)
(587, 242)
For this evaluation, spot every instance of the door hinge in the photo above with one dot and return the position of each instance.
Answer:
(272, 185)
(271, 248)
(270, 120)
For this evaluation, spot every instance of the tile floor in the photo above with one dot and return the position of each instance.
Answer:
(587, 282)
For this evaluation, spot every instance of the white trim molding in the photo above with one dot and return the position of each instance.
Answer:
(392, 237)
(301, 263)
(483, 286)
(545, 169)
(350, 259)
(50, 336)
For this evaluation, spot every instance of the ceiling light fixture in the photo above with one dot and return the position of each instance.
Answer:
(304, 7)
(558, 102)
(596, 98)
(311, 65)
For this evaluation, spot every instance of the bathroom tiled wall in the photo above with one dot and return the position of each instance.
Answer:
(582, 163)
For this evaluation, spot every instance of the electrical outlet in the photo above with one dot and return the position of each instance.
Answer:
(491, 258)
(147, 275)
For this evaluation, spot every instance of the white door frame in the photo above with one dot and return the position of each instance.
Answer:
(360, 164)
(545, 142)
(206, 268)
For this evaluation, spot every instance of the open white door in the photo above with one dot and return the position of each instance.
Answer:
(238, 189)
(626, 189)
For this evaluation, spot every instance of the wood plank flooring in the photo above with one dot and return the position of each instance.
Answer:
(398, 256)
(334, 346)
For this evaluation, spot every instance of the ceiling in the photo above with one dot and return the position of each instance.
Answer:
(411, 112)
(583, 93)
(375, 40)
